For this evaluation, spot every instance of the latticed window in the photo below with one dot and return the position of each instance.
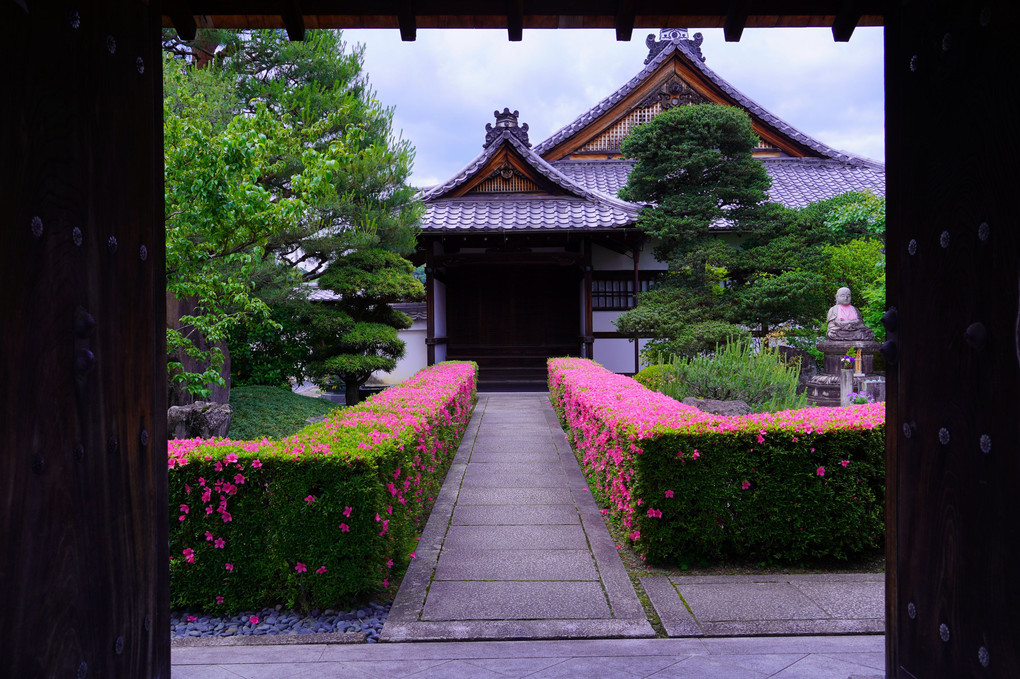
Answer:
(611, 138)
(614, 291)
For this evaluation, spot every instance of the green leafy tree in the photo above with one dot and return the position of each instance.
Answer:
(695, 170)
(280, 160)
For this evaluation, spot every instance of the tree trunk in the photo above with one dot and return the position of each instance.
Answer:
(176, 394)
(352, 394)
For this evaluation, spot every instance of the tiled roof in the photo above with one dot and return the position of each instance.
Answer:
(799, 181)
(687, 49)
(521, 212)
(604, 176)
(795, 181)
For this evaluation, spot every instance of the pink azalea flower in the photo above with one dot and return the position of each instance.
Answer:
(344, 528)
(229, 566)
(412, 555)
(389, 563)
(300, 567)
(386, 582)
(669, 493)
(320, 570)
(309, 499)
(239, 479)
(347, 511)
(184, 508)
(256, 463)
(254, 619)
(696, 455)
(220, 543)
(844, 462)
(189, 554)
(745, 485)
(208, 536)
(231, 457)
(820, 471)
(219, 600)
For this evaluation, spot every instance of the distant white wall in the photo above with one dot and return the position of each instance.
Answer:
(415, 356)
(615, 354)
(603, 320)
(440, 307)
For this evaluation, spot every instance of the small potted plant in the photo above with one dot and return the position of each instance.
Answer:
(847, 361)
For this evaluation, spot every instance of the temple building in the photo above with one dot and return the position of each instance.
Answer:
(530, 254)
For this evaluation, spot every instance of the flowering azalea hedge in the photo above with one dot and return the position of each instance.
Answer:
(321, 517)
(689, 486)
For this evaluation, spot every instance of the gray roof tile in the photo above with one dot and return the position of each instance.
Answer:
(799, 181)
(519, 212)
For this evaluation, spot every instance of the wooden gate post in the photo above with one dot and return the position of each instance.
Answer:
(83, 486)
(953, 136)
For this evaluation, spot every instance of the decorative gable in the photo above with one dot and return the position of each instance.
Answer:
(674, 75)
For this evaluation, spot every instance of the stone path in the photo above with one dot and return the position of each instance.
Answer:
(515, 547)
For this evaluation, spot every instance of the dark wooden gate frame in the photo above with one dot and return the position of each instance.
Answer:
(83, 535)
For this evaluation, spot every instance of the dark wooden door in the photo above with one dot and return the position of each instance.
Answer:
(83, 500)
(953, 133)
(514, 309)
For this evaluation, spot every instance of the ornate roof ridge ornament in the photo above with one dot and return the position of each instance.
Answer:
(506, 122)
(676, 36)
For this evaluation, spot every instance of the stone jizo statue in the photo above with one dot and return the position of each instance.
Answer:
(844, 321)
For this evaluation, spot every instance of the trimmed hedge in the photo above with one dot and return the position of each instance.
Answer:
(690, 486)
(319, 518)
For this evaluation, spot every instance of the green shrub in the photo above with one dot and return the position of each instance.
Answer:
(320, 518)
(762, 378)
(688, 486)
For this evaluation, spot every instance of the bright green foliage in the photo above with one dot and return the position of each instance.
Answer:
(273, 412)
(279, 159)
(357, 335)
(857, 214)
(736, 370)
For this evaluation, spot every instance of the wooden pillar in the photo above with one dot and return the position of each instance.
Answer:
(953, 539)
(430, 304)
(637, 288)
(589, 330)
(84, 590)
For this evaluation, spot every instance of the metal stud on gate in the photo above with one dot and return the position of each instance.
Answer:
(944, 632)
(976, 335)
(944, 240)
(37, 226)
(985, 442)
(118, 645)
(74, 18)
(983, 657)
(76, 236)
(912, 611)
(947, 42)
(984, 231)
(140, 65)
(143, 252)
(944, 436)
(909, 428)
(111, 44)
(111, 244)
(143, 438)
(79, 452)
(83, 670)
(912, 247)
(112, 445)
(914, 65)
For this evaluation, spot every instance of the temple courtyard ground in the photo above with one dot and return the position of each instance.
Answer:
(516, 575)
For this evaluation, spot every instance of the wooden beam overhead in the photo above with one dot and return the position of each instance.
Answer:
(846, 21)
(515, 20)
(624, 20)
(183, 20)
(293, 21)
(736, 19)
(406, 21)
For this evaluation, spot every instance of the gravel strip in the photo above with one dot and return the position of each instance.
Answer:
(275, 621)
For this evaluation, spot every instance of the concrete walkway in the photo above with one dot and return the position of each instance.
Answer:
(515, 547)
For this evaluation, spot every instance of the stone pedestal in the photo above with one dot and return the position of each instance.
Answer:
(835, 350)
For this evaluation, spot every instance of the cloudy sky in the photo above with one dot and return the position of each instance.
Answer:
(445, 85)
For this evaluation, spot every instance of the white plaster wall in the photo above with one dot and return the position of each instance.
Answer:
(615, 354)
(603, 320)
(440, 353)
(604, 259)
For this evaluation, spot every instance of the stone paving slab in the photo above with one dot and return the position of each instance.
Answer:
(529, 515)
(473, 600)
(485, 478)
(508, 564)
(512, 454)
(769, 605)
(817, 657)
(464, 538)
(512, 496)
